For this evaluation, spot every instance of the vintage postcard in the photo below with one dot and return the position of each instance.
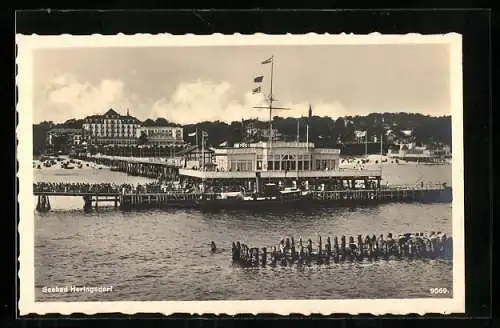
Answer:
(232, 174)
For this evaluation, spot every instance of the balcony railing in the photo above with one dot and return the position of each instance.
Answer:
(278, 174)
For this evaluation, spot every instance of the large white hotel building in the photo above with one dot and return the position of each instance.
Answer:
(110, 128)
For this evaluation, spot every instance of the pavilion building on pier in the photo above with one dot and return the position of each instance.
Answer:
(297, 164)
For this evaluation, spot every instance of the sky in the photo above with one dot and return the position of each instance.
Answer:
(192, 84)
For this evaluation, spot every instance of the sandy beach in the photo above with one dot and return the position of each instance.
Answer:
(57, 163)
(376, 161)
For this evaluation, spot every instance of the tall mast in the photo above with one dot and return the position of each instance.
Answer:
(196, 138)
(298, 130)
(271, 100)
(202, 150)
(366, 143)
(381, 150)
(271, 105)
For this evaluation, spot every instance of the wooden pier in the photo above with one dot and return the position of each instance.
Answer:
(145, 167)
(317, 198)
(165, 200)
(90, 200)
(404, 194)
(158, 200)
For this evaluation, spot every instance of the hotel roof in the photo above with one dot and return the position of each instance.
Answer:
(111, 113)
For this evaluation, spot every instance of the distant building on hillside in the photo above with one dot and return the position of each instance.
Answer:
(412, 152)
(256, 131)
(63, 139)
(162, 135)
(196, 157)
(73, 136)
(110, 128)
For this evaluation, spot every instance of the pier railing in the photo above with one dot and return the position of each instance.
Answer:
(418, 186)
(137, 198)
(79, 188)
(280, 174)
(106, 188)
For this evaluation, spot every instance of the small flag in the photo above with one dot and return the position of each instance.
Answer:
(192, 134)
(360, 134)
(256, 90)
(310, 111)
(267, 61)
(258, 79)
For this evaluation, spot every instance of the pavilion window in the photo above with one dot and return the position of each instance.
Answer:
(270, 165)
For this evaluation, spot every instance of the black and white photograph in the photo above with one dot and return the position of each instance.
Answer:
(241, 174)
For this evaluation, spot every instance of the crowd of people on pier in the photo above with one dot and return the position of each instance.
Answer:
(124, 188)
(288, 252)
(76, 187)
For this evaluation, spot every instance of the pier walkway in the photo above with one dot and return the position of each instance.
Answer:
(150, 167)
(130, 197)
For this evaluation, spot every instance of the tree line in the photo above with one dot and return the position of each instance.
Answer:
(323, 131)
(326, 131)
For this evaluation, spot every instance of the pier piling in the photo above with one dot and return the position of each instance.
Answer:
(403, 247)
(43, 204)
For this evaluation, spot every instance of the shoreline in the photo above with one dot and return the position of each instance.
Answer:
(347, 161)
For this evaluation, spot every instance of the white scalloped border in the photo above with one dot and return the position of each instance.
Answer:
(27, 305)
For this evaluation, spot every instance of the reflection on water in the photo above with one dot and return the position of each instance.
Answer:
(158, 255)
(164, 255)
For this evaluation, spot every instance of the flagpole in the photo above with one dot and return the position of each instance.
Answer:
(297, 153)
(307, 136)
(298, 130)
(271, 106)
(381, 151)
(307, 128)
(366, 143)
(196, 137)
(203, 151)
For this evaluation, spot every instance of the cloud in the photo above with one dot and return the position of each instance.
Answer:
(66, 97)
(204, 100)
(210, 101)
